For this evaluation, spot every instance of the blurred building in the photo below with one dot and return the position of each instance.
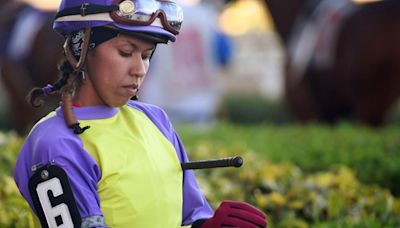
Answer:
(183, 76)
(257, 64)
(190, 77)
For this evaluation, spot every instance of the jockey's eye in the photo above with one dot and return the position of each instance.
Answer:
(125, 54)
(146, 55)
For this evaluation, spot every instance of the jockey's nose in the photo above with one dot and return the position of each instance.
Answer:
(138, 66)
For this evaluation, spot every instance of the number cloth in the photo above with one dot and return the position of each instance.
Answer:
(126, 167)
(53, 199)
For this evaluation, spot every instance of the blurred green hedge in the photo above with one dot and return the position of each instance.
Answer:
(14, 211)
(252, 108)
(301, 176)
(373, 154)
(329, 198)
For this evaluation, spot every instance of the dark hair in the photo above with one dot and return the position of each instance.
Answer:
(66, 70)
(35, 95)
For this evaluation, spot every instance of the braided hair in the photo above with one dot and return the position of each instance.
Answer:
(65, 86)
(35, 96)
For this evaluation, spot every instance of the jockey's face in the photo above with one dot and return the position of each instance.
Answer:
(114, 71)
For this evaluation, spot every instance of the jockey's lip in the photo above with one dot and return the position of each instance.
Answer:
(132, 89)
(131, 86)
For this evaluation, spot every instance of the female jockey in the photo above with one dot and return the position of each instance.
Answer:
(103, 159)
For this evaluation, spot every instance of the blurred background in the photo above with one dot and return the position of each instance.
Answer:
(306, 92)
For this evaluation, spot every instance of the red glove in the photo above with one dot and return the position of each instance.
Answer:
(236, 214)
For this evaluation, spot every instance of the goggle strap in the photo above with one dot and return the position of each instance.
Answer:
(86, 9)
(159, 14)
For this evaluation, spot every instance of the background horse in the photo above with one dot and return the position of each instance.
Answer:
(29, 53)
(344, 65)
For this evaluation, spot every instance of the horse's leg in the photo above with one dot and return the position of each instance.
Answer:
(284, 14)
(300, 99)
(380, 92)
(368, 70)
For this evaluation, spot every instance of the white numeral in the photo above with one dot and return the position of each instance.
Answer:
(50, 212)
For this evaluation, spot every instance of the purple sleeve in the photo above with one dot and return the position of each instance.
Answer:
(195, 206)
(48, 144)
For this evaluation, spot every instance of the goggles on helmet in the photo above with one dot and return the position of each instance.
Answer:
(162, 13)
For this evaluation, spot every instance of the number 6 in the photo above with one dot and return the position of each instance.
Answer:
(53, 198)
(50, 212)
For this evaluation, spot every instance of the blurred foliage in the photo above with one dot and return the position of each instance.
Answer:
(5, 121)
(373, 154)
(250, 109)
(393, 116)
(301, 176)
(290, 198)
(253, 108)
(14, 211)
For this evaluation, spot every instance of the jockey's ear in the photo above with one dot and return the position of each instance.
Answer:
(52, 197)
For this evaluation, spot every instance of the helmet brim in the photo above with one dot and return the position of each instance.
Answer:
(65, 28)
(146, 29)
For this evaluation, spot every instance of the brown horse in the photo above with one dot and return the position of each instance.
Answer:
(29, 58)
(358, 77)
